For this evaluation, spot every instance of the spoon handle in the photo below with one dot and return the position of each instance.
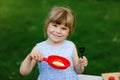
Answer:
(45, 59)
(82, 50)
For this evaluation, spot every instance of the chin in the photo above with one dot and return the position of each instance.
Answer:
(56, 41)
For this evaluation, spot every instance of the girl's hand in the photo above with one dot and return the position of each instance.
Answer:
(36, 56)
(83, 61)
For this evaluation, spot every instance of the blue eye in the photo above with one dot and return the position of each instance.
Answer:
(64, 28)
(54, 25)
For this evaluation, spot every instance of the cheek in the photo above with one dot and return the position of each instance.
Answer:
(49, 30)
(66, 33)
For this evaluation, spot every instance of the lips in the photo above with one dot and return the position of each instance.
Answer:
(56, 35)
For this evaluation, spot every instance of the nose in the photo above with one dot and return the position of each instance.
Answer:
(58, 30)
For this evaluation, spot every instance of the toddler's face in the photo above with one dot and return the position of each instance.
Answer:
(57, 33)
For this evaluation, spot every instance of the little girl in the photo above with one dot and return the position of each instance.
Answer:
(58, 26)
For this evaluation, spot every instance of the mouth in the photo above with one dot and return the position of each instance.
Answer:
(58, 36)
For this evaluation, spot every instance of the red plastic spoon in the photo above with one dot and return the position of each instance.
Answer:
(57, 62)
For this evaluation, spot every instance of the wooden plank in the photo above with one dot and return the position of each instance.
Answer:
(89, 77)
(116, 75)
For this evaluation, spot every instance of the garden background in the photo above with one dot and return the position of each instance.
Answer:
(97, 29)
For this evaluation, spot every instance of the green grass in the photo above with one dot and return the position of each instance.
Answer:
(97, 28)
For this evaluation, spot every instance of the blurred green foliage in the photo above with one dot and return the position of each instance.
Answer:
(97, 28)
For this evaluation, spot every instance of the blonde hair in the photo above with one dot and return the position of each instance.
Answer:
(61, 15)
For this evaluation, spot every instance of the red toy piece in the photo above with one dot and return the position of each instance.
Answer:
(57, 62)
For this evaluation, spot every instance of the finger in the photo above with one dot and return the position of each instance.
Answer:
(83, 62)
(84, 57)
(41, 57)
(35, 57)
(32, 56)
(80, 60)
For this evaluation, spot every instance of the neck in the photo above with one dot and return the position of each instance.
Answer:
(54, 43)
